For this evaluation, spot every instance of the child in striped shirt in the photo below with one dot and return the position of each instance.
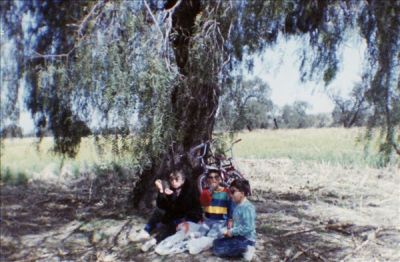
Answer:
(217, 206)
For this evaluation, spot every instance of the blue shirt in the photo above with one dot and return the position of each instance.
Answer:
(244, 220)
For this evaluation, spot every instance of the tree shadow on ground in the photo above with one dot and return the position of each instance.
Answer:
(288, 232)
(88, 220)
(37, 208)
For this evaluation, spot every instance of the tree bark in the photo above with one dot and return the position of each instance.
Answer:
(276, 124)
(194, 113)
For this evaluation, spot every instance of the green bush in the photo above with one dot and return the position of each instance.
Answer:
(7, 177)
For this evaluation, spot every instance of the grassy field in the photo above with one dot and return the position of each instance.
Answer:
(335, 146)
(26, 157)
(327, 145)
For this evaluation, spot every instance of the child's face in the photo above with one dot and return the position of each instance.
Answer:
(176, 180)
(213, 179)
(236, 195)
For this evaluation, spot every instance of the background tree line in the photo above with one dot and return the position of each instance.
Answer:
(248, 105)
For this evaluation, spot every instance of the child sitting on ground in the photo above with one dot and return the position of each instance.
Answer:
(217, 204)
(240, 239)
(175, 205)
(217, 207)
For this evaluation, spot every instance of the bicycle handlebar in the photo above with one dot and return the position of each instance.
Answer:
(204, 148)
(202, 145)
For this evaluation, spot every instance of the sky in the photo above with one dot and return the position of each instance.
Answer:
(279, 67)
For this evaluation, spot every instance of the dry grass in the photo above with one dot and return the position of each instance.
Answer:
(357, 189)
(350, 214)
(305, 212)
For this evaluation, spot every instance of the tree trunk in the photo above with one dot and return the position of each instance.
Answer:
(194, 106)
(276, 124)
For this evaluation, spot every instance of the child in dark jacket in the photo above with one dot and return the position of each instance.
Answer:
(176, 204)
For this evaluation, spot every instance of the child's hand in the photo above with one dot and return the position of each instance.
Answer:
(184, 226)
(228, 233)
(159, 185)
(168, 191)
(229, 224)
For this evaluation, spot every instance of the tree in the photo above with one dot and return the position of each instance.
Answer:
(11, 131)
(29, 30)
(353, 111)
(380, 28)
(321, 120)
(295, 116)
(260, 114)
(245, 104)
(162, 67)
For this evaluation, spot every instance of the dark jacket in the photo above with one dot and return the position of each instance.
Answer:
(185, 207)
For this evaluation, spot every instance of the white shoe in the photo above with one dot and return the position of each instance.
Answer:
(249, 254)
(149, 244)
(140, 236)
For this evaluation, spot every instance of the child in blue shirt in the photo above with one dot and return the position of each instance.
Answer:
(240, 239)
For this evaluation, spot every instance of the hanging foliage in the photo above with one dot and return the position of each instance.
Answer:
(155, 71)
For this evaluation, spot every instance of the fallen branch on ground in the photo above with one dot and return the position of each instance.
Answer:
(311, 253)
(363, 244)
(355, 250)
(337, 227)
(298, 254)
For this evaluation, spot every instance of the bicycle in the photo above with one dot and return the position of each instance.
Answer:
(204, 154)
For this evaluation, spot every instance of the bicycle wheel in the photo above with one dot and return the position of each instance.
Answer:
(202, 182)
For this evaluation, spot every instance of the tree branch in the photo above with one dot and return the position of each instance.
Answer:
(81, 28)
(39, 55)
(85, 20)
(154, 19)
(66, 55)
(396, 148)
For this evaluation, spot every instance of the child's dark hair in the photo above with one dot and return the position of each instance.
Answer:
(213, 170)
(242, 185)
(178, 172)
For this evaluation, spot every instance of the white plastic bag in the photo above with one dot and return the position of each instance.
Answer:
(178, 243)
(195, 246)
(170, 244)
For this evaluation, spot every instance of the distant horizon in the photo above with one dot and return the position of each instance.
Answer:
(27, 125)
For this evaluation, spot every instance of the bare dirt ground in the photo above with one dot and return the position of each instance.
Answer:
(306, 212)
